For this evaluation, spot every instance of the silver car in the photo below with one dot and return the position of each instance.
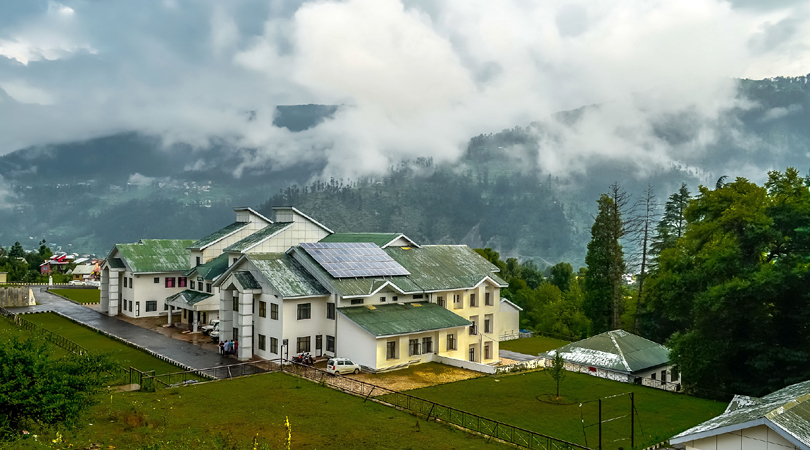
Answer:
(341, 366)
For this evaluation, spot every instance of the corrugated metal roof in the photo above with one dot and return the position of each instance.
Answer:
(787, 409)
(217, 235)
(257, 237)
(403, 318)
(615, 350)
(287, 275)
(246, 279)
(432, 268)
(444, 267)
(375, 238)
(211, 269)
(116, 263)
(189, 297)
(157, 255)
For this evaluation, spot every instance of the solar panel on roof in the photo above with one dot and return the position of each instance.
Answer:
(353, 259)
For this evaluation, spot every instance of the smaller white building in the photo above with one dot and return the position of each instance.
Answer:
(620, 356)
(777, 421)
(510, 320)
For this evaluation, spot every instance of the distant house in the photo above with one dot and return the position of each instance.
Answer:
(56, 263)
(777, 421)
(620, 356)
(85, 272)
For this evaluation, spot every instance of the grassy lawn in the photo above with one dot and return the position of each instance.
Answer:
(526, 400)
(8, 330)
(533, 345)
(89, 339)
(80, 295)
(229, 414)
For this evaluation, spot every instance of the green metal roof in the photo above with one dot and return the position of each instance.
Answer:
(615, 350)
(246, 280)
(116, 263)
(190, 297)
(287, 275)
(403, 318)
(157, 255)
(432, 268)
(217, 235)
(211, 269)
(444, 267)
(257, 237)
(787, 410)
(376, 238)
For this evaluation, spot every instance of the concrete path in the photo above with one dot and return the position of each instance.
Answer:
(515, 356)
(176, 350)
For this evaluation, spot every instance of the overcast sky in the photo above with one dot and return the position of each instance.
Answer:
(419, 77)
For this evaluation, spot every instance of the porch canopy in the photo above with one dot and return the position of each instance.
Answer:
(194, 301)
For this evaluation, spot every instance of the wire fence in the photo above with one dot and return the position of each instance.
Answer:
(118, 374)
(432, 410)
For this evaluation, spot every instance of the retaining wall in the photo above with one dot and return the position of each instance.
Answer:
(12, 296)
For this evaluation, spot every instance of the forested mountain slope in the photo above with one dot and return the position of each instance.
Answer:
(502, 192)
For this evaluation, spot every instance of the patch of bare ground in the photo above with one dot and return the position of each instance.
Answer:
(417, 376)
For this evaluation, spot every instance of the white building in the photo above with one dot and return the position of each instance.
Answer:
(443, 305)
(137, 278)
(620, 356)
(385, 301)
(777, 421)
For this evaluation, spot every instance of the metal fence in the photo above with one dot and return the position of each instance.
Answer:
(432, 410)
(117, 376)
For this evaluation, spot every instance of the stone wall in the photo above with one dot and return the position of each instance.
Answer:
(11, 296)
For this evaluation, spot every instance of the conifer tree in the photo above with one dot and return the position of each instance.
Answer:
(605, 260)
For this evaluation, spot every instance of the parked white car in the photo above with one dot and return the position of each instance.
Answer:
(342, 365)
(77, 283)
(206, 329)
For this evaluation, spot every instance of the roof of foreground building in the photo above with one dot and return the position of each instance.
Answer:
(786, 411)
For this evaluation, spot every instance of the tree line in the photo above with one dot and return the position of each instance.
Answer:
(722, 279)
(23, 266)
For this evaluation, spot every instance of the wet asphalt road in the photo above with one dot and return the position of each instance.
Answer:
(174, 349)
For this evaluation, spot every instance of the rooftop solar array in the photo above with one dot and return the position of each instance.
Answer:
(353, 259)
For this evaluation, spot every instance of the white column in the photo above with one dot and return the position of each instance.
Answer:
(225, 315)
(245, 327)
(113, 292)
(169, 315)
(105, 290)
(196, 315)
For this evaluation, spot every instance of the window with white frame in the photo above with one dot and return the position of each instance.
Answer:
(304, 311)
(304, 344)
(413, 347)
(451, 341)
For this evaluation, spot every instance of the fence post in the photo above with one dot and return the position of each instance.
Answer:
(632, 420)
(600, 424)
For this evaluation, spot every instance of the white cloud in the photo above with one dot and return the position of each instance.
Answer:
(23, 92)
(415, 78)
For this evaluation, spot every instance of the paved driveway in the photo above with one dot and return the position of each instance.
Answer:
(176, 350)
(515, 356)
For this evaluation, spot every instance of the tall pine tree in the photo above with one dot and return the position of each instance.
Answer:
(605, 261)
